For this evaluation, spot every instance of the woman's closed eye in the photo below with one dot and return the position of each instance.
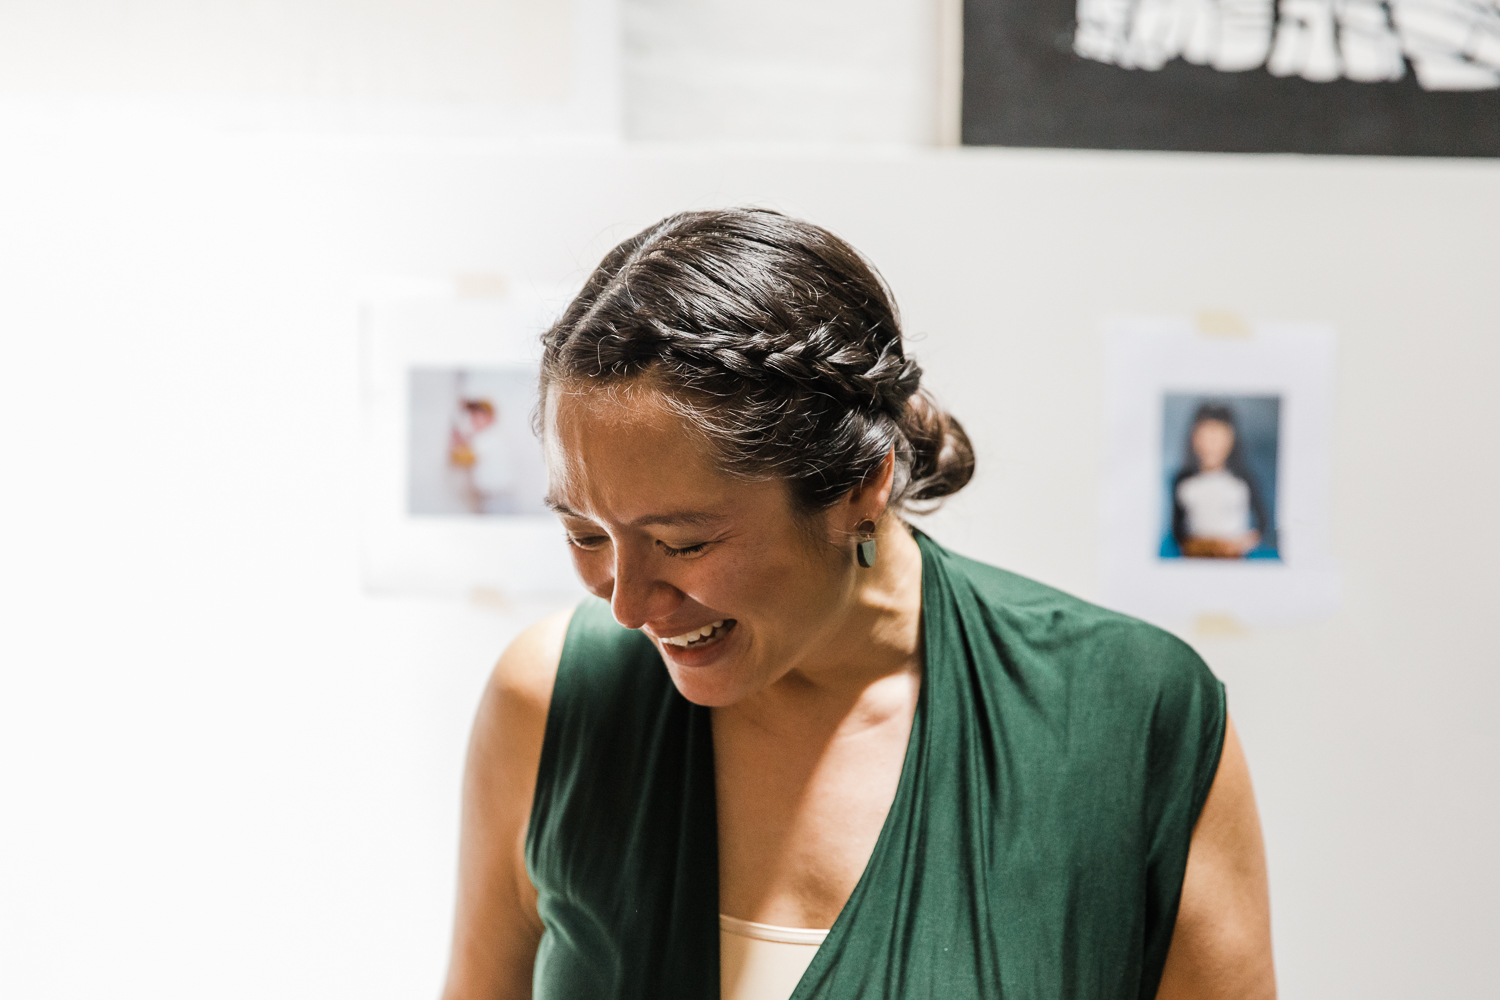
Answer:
(686, 550)
(589, 543)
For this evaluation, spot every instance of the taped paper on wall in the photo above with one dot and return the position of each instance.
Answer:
(1217, 472)
(453, 473)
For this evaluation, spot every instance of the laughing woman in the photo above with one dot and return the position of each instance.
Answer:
(793, 747)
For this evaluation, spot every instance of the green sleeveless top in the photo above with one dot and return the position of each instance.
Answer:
(1058, 760)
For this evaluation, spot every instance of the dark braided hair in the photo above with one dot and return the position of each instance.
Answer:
(778, 341)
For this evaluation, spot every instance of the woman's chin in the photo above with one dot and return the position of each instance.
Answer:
(708, 686)
(707, 695)
(707, 675)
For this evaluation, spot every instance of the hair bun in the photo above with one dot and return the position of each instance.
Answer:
(942, 458)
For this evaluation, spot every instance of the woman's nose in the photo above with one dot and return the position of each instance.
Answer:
(638, 594)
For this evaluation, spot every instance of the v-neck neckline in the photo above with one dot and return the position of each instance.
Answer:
(827, 951)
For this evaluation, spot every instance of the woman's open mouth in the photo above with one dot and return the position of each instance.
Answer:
(700, 637)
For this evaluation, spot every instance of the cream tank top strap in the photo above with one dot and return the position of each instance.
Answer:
(763, 961)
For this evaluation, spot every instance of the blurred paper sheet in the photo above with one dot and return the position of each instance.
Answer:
(454, 477)
(1217, 459)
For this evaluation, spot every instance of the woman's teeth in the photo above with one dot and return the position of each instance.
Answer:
(697, 635)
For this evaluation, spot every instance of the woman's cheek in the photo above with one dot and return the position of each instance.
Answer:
(593, 570)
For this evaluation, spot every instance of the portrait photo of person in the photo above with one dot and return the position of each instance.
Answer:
(1219, 459)
(470, 447)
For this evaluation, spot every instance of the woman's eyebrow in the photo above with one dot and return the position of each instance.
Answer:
(678, 519)
(668, 519)
(558, 507)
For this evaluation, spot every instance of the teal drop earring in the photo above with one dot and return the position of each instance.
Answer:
(865, 551)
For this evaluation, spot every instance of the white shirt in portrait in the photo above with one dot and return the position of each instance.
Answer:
(1217, 504)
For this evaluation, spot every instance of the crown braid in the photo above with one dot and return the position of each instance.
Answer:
(773, 336)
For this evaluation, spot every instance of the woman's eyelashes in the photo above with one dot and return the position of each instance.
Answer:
(686, 550)
(590, 543)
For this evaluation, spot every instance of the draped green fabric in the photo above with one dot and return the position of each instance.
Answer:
(1059, 757)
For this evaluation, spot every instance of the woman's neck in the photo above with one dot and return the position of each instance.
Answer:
(864, 665)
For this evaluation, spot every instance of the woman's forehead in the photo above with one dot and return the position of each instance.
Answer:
(579, 415)
(615, 454)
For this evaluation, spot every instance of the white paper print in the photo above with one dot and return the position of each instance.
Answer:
(1449, 44)
(1217, 459)
(454, 477)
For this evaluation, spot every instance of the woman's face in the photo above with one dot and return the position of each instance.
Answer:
(676, 546)
(1213, 440)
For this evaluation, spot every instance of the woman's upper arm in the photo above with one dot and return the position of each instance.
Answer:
(496, 928)
(1221, 946)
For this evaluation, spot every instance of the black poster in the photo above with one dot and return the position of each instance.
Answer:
(1385, 77)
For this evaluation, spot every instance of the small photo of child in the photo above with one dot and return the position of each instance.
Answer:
(471, 450)
(1219, 461)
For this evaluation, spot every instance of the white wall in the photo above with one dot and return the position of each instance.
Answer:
(867, 71)
(784, 70)
(512, 68)
(226, 772)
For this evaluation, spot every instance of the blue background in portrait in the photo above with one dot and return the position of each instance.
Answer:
(1258, 422)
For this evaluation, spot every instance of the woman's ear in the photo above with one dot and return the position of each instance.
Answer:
(868, 500)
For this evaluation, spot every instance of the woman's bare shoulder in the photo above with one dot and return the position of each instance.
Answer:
(528, 667)
(496, 929)
(513, 712)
